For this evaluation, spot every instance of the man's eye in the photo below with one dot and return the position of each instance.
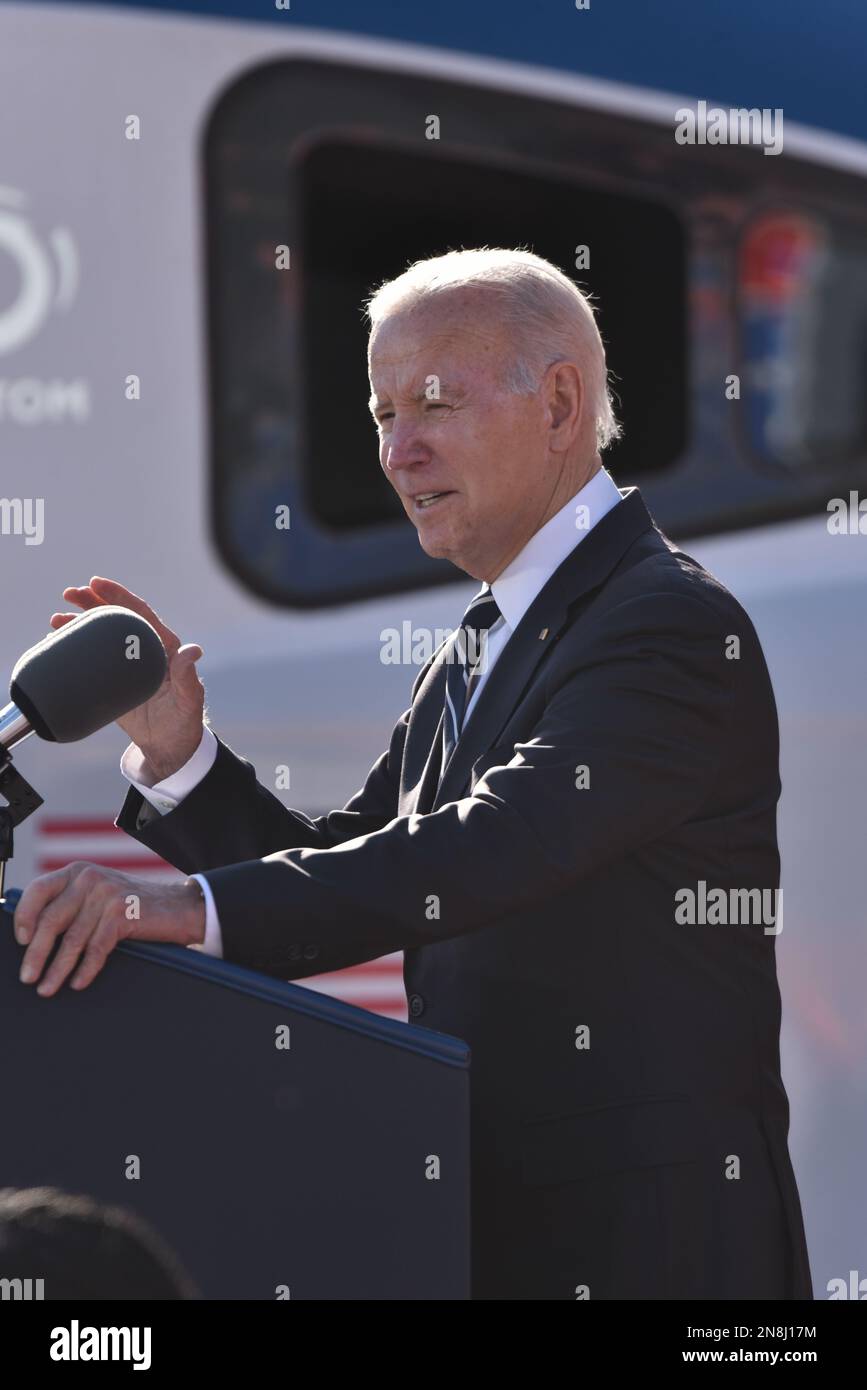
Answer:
(429, 405)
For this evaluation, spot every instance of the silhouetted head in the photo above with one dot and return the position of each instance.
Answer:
(85, 1249)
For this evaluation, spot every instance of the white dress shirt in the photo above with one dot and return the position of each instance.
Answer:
(514, 590)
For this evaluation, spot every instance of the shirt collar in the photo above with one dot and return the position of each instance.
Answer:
(526, 575)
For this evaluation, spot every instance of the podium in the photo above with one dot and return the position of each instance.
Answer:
(284, 1143)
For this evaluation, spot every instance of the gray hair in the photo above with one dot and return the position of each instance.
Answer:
(547, 316)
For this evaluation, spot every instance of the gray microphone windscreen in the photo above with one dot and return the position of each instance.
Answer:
(88, 673)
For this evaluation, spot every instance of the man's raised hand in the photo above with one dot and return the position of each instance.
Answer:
(167, 727)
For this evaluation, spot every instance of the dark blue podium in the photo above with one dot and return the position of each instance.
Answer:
(284, 1140)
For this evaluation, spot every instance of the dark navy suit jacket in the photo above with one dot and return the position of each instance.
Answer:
(629, 1119)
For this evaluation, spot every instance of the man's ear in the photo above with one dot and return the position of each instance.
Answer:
(564, 399)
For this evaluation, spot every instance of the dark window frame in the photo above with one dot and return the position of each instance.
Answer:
(714, 485)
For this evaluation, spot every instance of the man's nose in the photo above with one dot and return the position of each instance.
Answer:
(403, 448)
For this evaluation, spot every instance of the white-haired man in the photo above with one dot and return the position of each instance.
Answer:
(554, 794)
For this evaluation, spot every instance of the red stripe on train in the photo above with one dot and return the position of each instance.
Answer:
(47, 865)
(77, 825)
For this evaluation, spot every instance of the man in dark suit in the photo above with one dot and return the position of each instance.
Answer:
(588, 762)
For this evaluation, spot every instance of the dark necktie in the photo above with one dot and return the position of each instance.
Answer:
(466, 662)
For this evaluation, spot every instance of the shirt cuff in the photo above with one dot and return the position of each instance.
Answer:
(164, 796)
(213, 942)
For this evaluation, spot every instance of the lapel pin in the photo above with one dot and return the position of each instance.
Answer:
(543, 634)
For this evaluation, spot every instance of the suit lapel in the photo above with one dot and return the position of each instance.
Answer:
(585, 568)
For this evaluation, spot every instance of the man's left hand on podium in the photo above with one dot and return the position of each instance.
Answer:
(88, 909)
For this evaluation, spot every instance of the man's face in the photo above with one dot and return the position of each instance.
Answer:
(482, 449)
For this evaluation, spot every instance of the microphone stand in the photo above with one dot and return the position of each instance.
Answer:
(21, 800)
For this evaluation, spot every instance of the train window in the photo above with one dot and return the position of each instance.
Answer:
(803, 330)
(697, 275)
(394, 200)
(332, 162)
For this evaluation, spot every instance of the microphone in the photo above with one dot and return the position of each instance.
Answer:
(8, 905)
(82, 677)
